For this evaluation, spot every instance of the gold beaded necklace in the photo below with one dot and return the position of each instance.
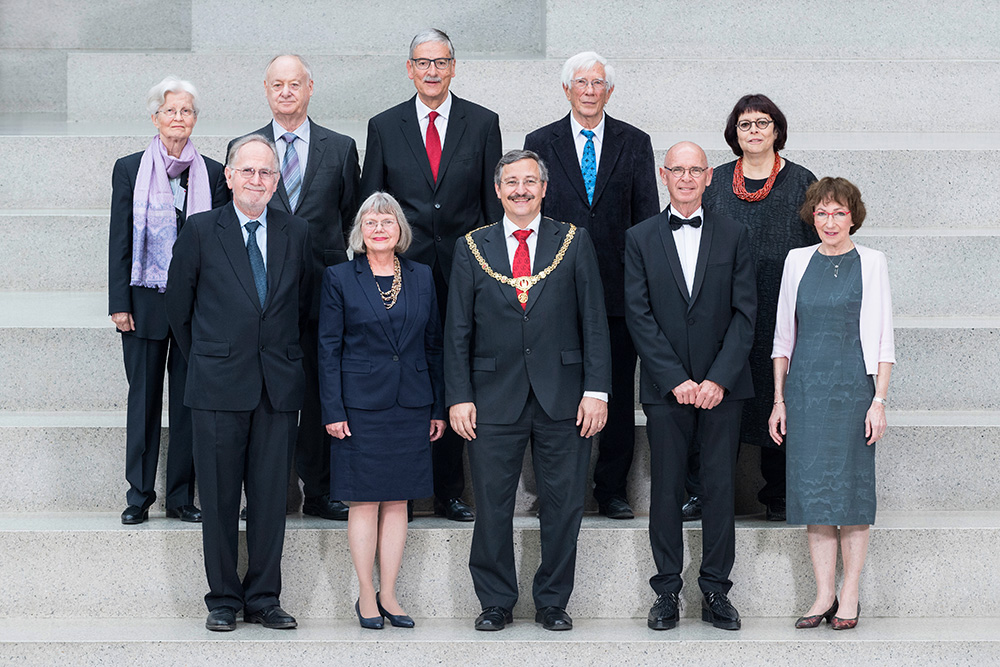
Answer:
(389, 297)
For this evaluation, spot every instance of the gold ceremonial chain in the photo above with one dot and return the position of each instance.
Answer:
(389, 298)
(524, 283)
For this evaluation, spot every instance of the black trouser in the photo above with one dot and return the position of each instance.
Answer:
(446, 453)
(772, 467)
(312, 443)
(616, 443)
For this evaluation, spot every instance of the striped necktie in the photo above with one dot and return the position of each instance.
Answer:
(290, 172)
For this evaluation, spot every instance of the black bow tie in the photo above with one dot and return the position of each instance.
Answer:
(676, 223)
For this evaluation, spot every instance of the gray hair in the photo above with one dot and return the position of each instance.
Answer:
(385, 203)
(583, 61)
(432, 35)
(158, 93)
(302, 61)
(249, 139)
(516, 155)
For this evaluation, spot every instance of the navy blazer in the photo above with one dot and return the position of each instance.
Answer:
(361, 364)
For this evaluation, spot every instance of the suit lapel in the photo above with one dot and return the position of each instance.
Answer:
(410, 298)
(611, 150)
(366, 283)
(317, 146)
(410, 127)
(277, 245)
(452, 138)
(707, 229)
(550, 236)
(670, 250)
(494, 251)
(231, 239)
(564, 144)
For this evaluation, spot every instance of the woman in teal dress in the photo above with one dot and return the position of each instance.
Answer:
(835, 314)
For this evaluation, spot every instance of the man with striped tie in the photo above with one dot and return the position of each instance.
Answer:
(320, 177)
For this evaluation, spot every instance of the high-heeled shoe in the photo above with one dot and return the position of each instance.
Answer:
(846, 623)
(373, 623)
(814, 621)
(397, 620)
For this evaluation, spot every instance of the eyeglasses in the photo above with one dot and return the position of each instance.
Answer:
(249, 172)
(838, 216)
(529, 182)
(171, 113)
(372, 225)
(583, 84)
(425, 63)
(761, 123)
(678, 172)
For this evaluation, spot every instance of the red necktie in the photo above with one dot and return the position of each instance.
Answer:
(521, 266)
(433, 144)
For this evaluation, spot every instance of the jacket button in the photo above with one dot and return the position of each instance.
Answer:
(262, 348)
(395, 357)
(593, 215)
(691, 321)
(527, 350)
(525, 318)
(438, 238)
(437, 205)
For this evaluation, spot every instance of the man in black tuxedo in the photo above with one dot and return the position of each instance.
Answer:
(237, 299)
(602, 178)
(320, 180)
(526, 362)
(435, 153)
(690, 304)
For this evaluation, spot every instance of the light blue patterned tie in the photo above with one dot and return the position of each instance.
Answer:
(256, 261)
(589, 165)
(290, 171)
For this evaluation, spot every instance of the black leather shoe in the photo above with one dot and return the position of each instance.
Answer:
(776, 510)
(719, 611)
(188, 513)
(494, 618)
(616, 508)
(554, 618)
(134, 514)
(663, 615)
(368, 623)
(453, 509)
(396, 620)
(273, 617)
(323, 507)
(691, 510)
(221, 619)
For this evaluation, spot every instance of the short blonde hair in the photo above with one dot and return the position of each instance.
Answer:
(385, 203)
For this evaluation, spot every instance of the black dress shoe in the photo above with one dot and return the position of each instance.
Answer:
(691, 510)
(323, 507)
(554, 618)
(494, 618)
(453, 509)
(409, 511)
(221, 619)
(368, 623)
(188, 513)
(273, 617)
(243, 514)
(663, 615)
(776, 510)
(719, 611)
(616, 508)
(396, 620)
(134, 514)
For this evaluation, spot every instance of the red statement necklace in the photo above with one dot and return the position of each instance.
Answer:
(739, 182)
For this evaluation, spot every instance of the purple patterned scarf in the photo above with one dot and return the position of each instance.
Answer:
(154, 226)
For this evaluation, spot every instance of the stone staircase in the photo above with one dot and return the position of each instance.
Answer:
(898, 97)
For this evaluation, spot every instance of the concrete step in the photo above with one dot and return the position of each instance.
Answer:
(54, 250)
(886, 95)
(919, 565)
(886, 642)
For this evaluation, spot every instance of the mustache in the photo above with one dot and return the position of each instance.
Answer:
(524, 197)
(430, 78)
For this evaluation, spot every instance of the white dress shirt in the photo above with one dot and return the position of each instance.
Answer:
(581, 141)
(532, 242)
(441, 122)
(688, 242)
(302, 135)
(260, 236)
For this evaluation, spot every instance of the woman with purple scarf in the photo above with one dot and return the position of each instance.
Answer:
(152, 193)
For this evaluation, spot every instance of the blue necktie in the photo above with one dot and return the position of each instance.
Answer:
(256, 261)
(589, 165)
(290, 171)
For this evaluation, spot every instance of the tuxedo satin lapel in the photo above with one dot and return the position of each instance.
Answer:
(707, 231)
(565, 150)
(410, 127)
(411, 298)
(277, 248)
(317, 146)
(452, 138)
(231, 238)
(670, 250)
(494, 251)
(550, 237)
(610, 152)
(366, 283)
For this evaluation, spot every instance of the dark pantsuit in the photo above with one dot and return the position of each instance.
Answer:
(145, 363)
(233, 449)
(312, 444)
(617, 440)
(561, 459)
(671, 429)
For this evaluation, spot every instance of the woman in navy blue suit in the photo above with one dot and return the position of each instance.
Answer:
(382, 391)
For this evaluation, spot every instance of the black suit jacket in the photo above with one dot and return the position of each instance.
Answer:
(235, 347)
(146, 305)
(328, 198)
(462, 199)
(625, 193)
(558, 346)
(706, 335)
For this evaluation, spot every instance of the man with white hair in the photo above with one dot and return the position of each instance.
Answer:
(602, 178)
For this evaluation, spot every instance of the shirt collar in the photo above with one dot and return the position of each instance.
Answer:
(244, 219)
(509, 227)
(444, 110)
(302, 131)
(598, 131)
(699, 213)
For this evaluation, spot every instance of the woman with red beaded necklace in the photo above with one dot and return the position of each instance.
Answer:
(764, 191)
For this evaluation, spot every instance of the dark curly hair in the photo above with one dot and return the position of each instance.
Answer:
(835, 189)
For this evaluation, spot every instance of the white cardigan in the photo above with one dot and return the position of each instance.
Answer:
(877, 343)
